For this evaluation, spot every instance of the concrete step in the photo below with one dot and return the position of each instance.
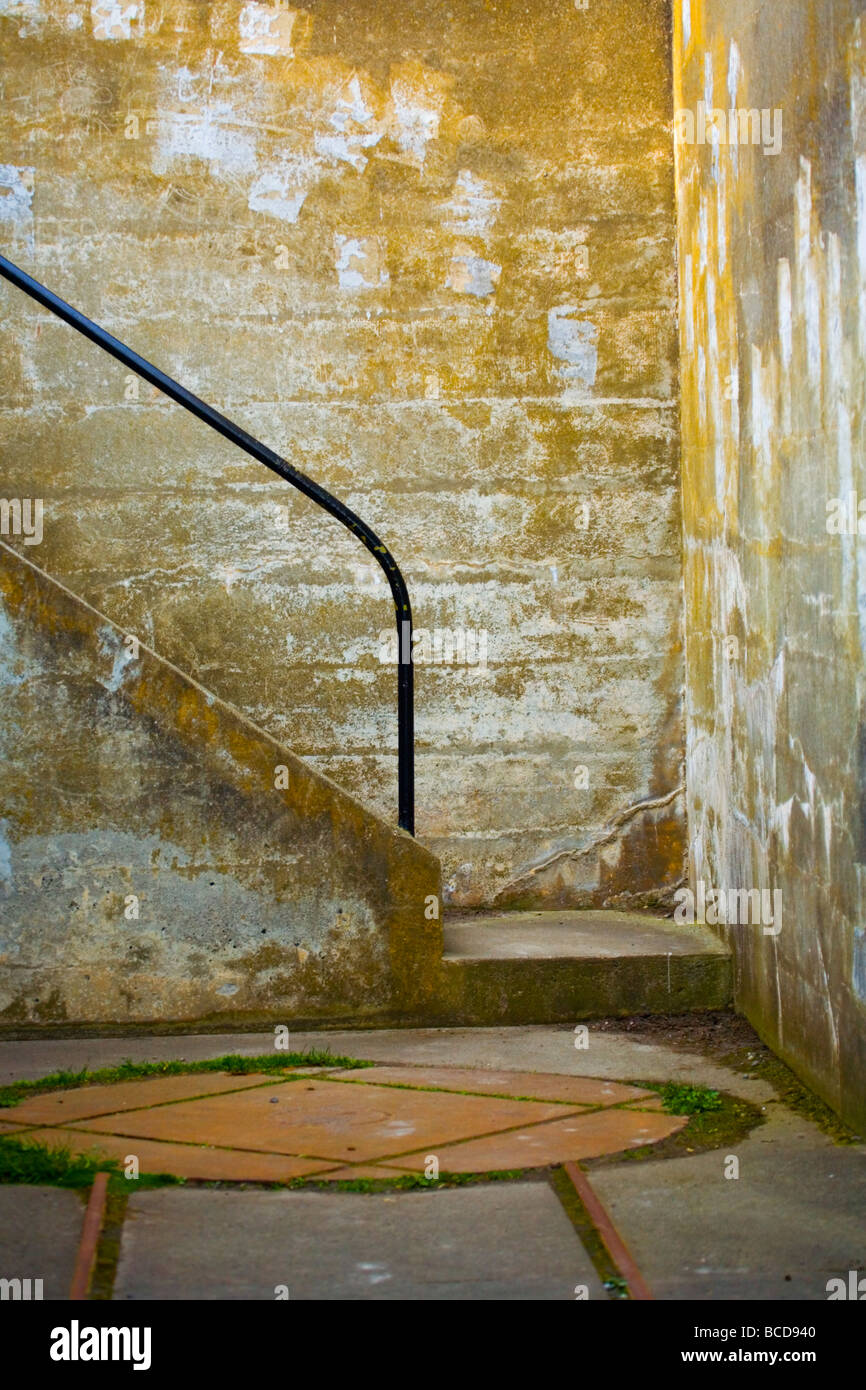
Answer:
(549, 967)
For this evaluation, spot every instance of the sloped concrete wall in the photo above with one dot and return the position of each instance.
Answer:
(425, 251)
(164, 861)
(772, 248)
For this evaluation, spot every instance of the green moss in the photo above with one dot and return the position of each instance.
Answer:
(410, 1182)
(764, 1065)
(724, 1122)
(232, 1063)
(689, 1100)
(588, 1233)
(108, 1249)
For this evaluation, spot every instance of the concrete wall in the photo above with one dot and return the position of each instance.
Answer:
(426, 251)
(163, 861)
(772, 250)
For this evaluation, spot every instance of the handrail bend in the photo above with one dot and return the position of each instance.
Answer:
(229, 430)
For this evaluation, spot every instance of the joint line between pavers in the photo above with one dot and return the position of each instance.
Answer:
(586, 1106)
(196, 1144)
(159, 1104)
(315, 1158)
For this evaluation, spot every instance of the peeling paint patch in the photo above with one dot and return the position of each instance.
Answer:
(14, 670)
(786, 338)
(472, 208)
(858, 978)
(5, 854)
(267, 30)
(16, 194)
(23, 9)
(208, 135)
(470, 274)
(354, 127)
(574, 342)
(360, 262)
(111, 645)
(281, 193)
(111, 19)
(415, 108)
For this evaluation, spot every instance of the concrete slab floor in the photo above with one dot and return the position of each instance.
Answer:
(541, 1048)
(405, 1245)
(793, 1219)
(39, 1233)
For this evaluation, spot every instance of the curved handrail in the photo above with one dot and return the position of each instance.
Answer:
(258, 451)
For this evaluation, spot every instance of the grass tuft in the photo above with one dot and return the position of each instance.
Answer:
(689, 1100)
(232, 1063)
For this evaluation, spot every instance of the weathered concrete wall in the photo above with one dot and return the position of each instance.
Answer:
(426, 251)
(163, 860)
(773, 348)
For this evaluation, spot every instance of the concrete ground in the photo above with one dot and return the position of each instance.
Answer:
(497, 1242)
(791, 1220)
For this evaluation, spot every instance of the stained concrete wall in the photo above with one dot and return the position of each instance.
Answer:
(772, 250)
(163, 861)
(425, 251)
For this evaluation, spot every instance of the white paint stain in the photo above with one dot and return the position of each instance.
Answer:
(860, 185)
(5, 854)
(703, 234)
(721, 220)
(25, 9)
(688, 303)
(375, 1273)
(16, 194)
(111, 19)
(575, 343)
(415, 111)
(14, 669)
(470, 274)
(353, 127)
(267, 30)
(209, 135)
(735, 67)
(803, 214)
(112, 645)
(472, 208)
(281, 192)
(360, 262)
(786, 332)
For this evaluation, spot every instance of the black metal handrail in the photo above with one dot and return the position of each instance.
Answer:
(258, 451)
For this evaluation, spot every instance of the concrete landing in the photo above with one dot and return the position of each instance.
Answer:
(548, 967)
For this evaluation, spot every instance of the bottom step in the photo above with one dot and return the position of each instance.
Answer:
(552, 967)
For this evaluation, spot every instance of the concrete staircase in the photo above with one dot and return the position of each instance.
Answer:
(164, 863)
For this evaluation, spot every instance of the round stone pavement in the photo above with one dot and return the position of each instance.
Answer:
(378, 1122)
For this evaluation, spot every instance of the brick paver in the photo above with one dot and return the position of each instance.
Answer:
(579, 1136)
(337, 1125)
(64, 1107)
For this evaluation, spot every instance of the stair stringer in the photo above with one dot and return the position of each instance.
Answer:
(154, 869)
